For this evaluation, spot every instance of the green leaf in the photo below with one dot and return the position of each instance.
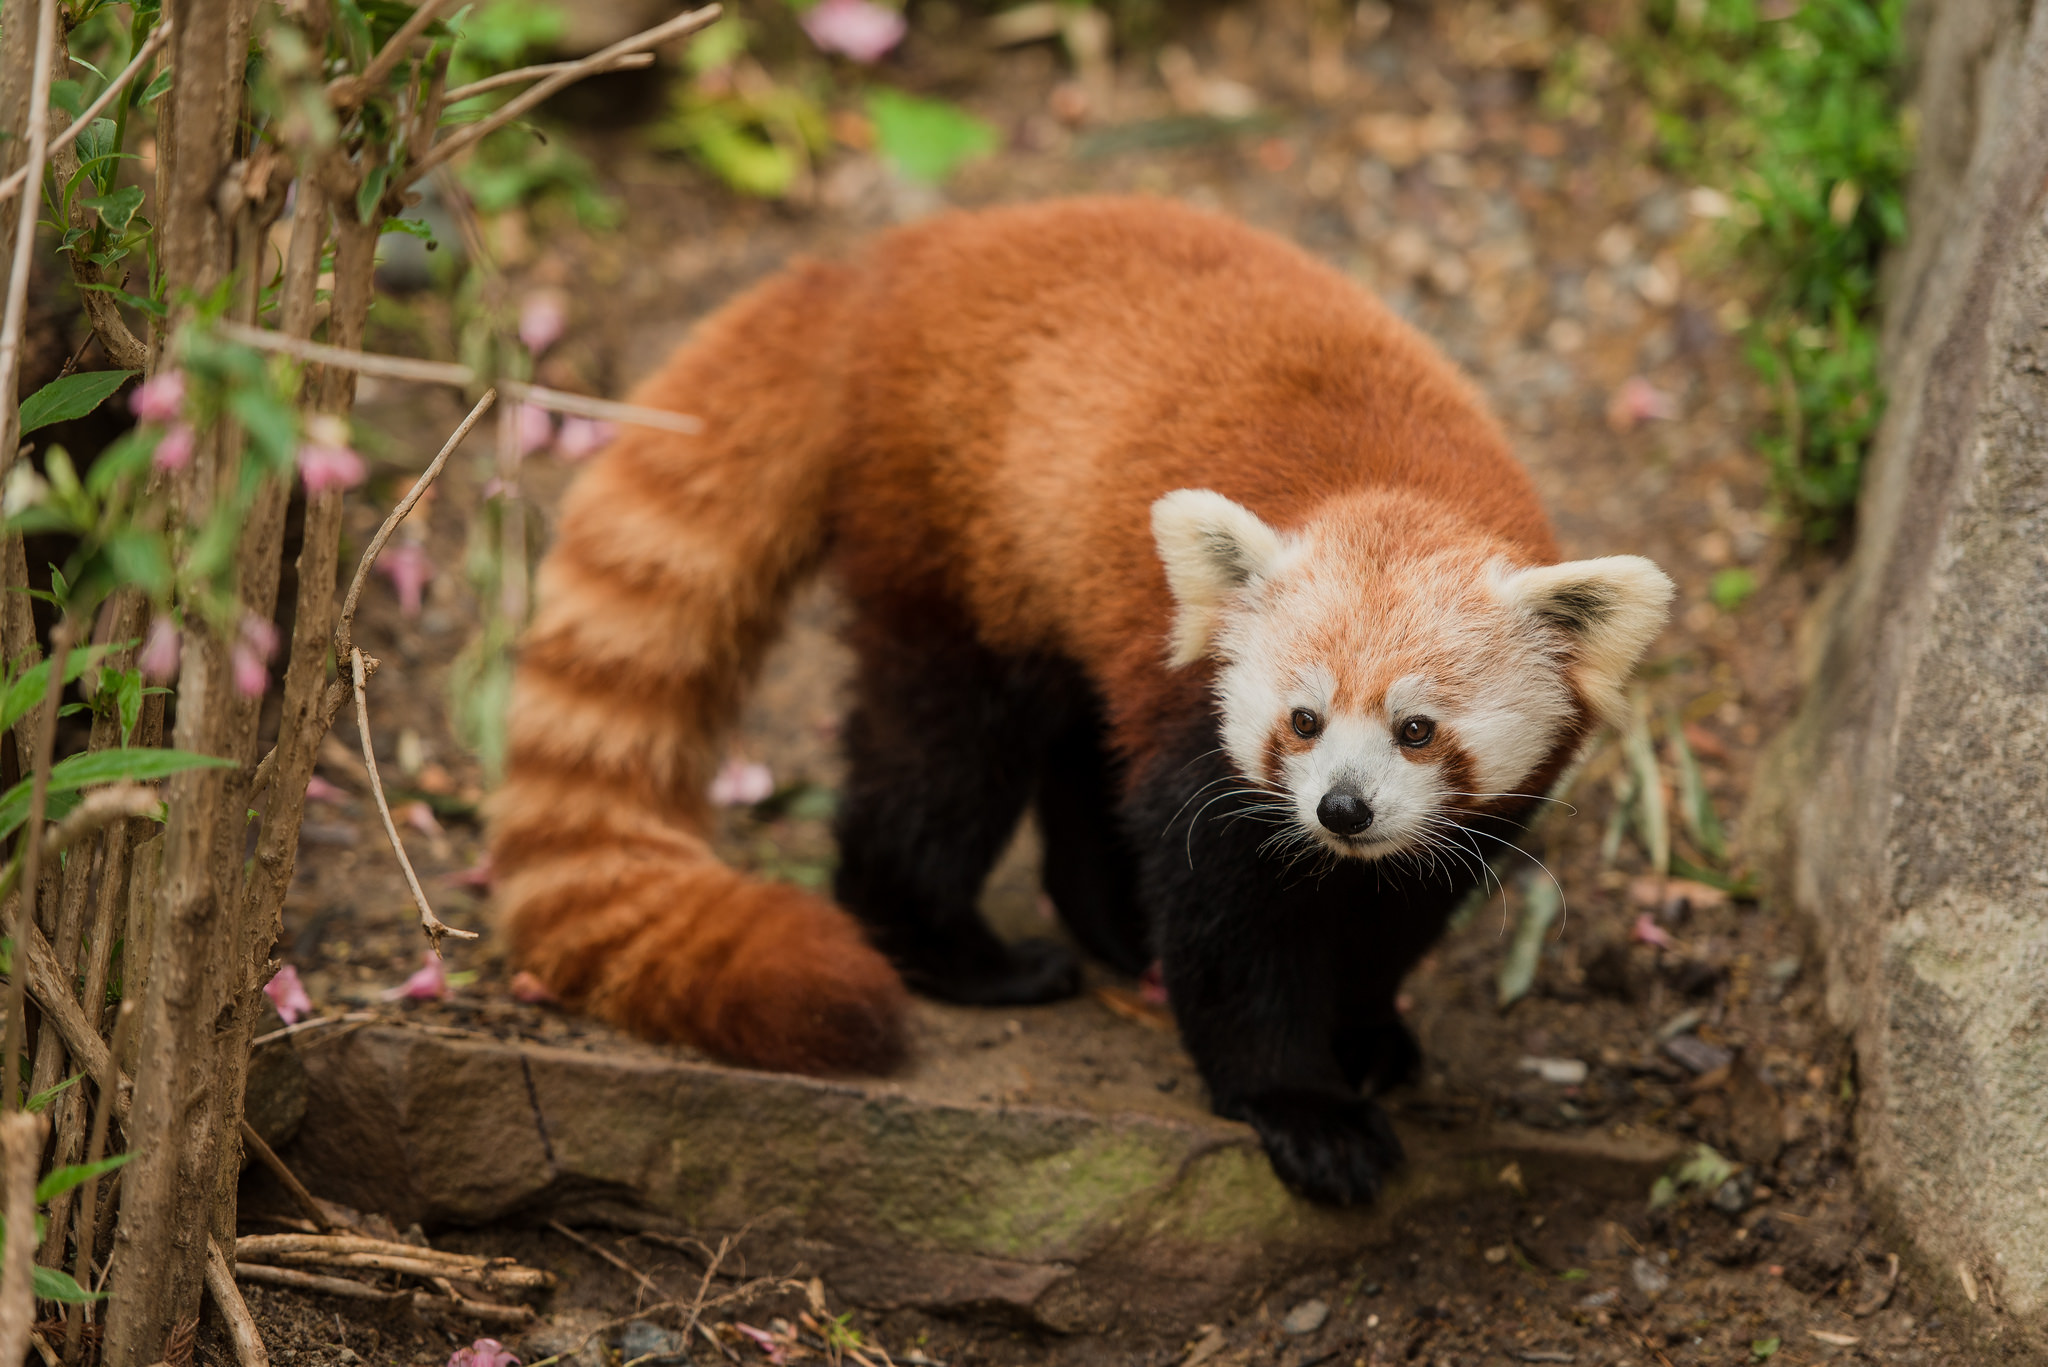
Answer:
(271, 423)
(1761, 1349)
(68, 96)
(117, 208)
(61, 1180)
(1574, 1274)
(927, 140)
(25, 691)
(371, 192)
(154, 91)
(51, 1285)
(41, 1100)
(411, 227)
(125, 687)
(138, 557)
(69, 775)
(1731, 588)
(1695, 804)
(1541, 902)
(71, 397)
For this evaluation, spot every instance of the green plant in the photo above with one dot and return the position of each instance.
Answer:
(1797, 119)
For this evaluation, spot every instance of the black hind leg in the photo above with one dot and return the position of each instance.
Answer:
(1089, 871)
(943, 748)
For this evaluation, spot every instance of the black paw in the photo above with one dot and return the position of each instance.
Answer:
(1028, 973)
(1333, 1149)
(1380, 1057)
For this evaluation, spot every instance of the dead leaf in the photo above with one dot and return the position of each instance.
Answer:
(1838, 1340)
(1131, 1007)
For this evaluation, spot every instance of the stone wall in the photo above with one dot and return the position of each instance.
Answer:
(1906, 810)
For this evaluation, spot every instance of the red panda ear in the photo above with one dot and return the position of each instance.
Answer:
(1614, 606)
(1212, 548)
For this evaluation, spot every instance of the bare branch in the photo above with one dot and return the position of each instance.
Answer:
(17, 291)
(88, 1197)
(461, 377)
(157, 37)
(631, 61)
(227, 1298)
(430, 923)
(21, 1144)
(345, 92)
(31, 862)
(473, 133)
(484, 1312)
(101, 808)
(266, 1155)
(344, 630)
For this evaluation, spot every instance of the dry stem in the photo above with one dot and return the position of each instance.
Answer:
(344, 630)
(430, 923)
(157, 37)
(646, 1283)
(227, 1298)
(631, 61)
(17, 283)
(88, 1197)
(570, 73)
(101, 808)
(21, 1143)
(266, 1155)
(485, 1312)
(32, 858)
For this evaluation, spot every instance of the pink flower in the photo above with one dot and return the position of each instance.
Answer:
(483, 1353)
(325, 459)
(250, 659)
(288, 995)
(542, 320)
(158, 398)
(527, 987)
(536, 429)
(741, 783)
(159, 661)
(581, 437)
(430, 984)
(319, 789)
(407, 567)
(174, 449)
(1649, 932)
(859, 29)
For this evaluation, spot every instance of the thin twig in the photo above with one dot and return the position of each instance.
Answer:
(430, 923)
(17, 289)
(88, 1198)
(459, 376)
(344, 629)
(631, 61)
(512, 1316)
(32, 859)
(575, 71)
(646, 1283)
(345, 92)
(227, 1298)
(157, 37)
(102, 808)
(267, 1156)
(21, 1143)
(351, 1018)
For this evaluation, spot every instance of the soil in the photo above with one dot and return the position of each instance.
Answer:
(1537, 241)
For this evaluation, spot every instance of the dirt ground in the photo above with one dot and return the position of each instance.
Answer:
(1552, 260)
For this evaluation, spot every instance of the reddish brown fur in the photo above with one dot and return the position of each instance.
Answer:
(979, 412)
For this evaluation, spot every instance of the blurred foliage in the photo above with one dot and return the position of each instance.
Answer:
(1797, 118)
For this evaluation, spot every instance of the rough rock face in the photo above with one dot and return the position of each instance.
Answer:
(1909, 801)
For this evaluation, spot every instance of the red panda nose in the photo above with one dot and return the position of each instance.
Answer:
(1344, 811)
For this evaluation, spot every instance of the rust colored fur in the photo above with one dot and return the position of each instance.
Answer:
(969, 424)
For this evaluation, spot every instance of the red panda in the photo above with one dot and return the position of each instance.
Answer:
(1148, 523)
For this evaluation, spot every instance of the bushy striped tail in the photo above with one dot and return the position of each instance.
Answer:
(669, 576)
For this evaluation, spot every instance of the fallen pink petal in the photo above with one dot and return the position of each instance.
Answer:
(430, 984)
(477, 875)
(159, 398)
(174, 449)
(741, 783)
(1648, 932)
(288, 995)
(319, 789)
(774, 1347)
(420, 817)
(543, 317)
(483, 1353)
(1639, 401)
(410, 570)
(159, 659)
(581, 438)
(535, 428)
(858, 29)
(528, 988)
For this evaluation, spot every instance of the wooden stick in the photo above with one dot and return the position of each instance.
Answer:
(39, 795)
(572, 72)
(486, 1312)
(646, 1282)
(631, 61)
(227, 1298)
(17, 282)
(157, 37)
(434, 927)
(459, 376)
(21, 1144)
(344, 628)
(268, 1157)
(527, 1278)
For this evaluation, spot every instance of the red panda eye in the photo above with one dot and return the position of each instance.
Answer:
(1306, 724)
(1417, 731)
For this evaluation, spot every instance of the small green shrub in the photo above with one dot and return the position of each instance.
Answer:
(1798, 119)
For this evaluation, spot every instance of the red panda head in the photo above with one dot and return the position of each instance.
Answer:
(1387, 666)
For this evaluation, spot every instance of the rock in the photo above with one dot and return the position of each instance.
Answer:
(1901, 813)
(1306, 1318)
(1650, 1279)
(1696, 1054)
(1564, 1072)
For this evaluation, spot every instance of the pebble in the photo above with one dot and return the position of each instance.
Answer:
(1565, 1072)
(1649, 1278)
(1307, 1317)
(1696, 1054)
